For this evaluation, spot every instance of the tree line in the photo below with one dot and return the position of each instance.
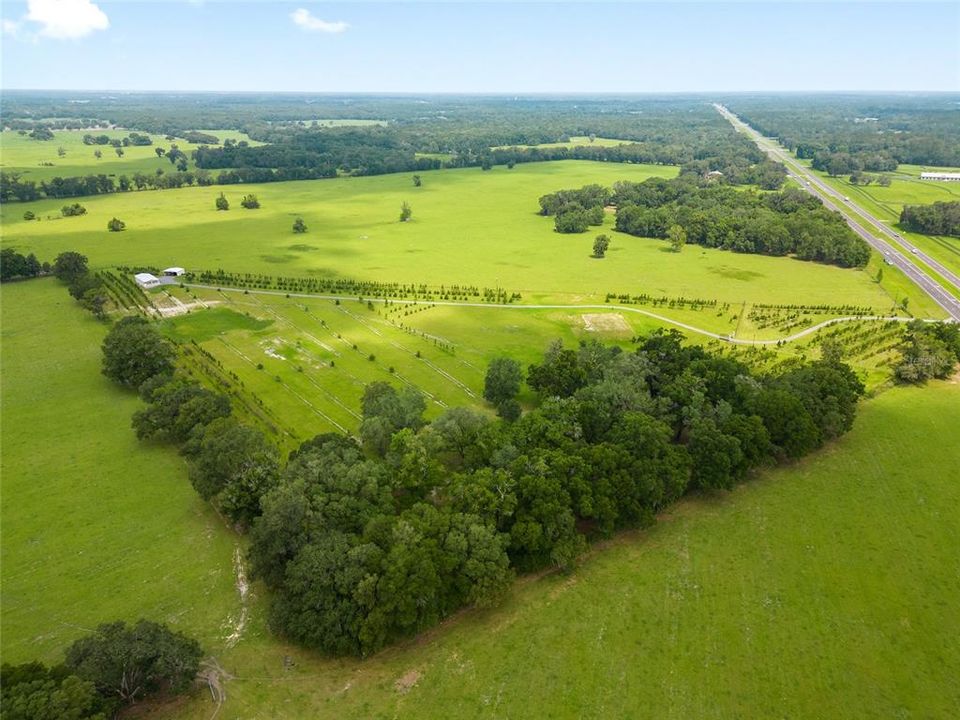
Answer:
(472, 132)
(15, 266)
(845, 134)
(789, 222)
(940, 218)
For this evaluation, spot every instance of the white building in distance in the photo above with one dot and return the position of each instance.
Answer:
(941, 176)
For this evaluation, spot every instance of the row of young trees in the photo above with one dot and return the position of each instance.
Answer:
(940, 218)
(15, 266)
(789, 222)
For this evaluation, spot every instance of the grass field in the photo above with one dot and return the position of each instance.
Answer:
(842, 568)
(96, 526)
(20, 154)
(827, 589)
(468, 226)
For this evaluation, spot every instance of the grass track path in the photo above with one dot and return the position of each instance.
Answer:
(662, 318)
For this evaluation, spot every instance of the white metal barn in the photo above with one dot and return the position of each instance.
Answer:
(146, 280)
(174, 272)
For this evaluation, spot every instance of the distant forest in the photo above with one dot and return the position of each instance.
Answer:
(844, 134)
(413, 135)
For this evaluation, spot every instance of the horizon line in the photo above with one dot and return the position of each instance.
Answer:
(492, 93)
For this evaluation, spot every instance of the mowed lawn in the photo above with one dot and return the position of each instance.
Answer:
(96, 526)
(824, 590)
(468, 226)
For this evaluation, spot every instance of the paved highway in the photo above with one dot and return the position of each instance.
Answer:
(814, 185)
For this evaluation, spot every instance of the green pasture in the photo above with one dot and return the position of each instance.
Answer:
(468, 227)
(824, 589)
(843, 566)
(96, 526)
(21, 154)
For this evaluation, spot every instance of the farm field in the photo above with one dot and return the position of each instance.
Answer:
(856, 606)
(309, 359)
(96, 526)
(302, 362)
(20, 154)
(885, 203)
(468, 226)
(842, 567)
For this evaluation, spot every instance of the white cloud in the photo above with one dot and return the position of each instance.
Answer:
(304, 19)
(10, 27)
(66, 18)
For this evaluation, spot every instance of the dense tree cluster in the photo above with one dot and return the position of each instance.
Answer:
(41, 132)
(940, 218)
(789, 222)
(32, 691)
(117, 666)
(134, 352)
(14, 266)
(929, 350)
(575, 210)
(845, 134)
(364, 544)
(199, 138)
(85, 287)
(74, 210)
(133, 138)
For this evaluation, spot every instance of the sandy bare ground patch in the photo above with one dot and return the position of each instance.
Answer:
(178, 307)
(407, 681)
(237, 624)
(605, 322)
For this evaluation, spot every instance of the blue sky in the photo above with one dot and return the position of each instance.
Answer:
(480, 47)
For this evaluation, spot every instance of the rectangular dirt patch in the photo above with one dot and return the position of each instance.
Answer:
(605, 322)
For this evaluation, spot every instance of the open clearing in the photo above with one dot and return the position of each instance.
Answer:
(574, 141)
(95, 525)
(468, 226)
(30, 157)
(842, 566)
